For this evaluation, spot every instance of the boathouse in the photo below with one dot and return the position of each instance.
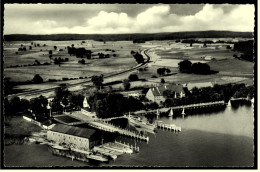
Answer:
(155, 94)
(82, 138)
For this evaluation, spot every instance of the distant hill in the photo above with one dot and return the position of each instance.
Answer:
(134, 36)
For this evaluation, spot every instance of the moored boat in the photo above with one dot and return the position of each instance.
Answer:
(138, 122)
(97, 157)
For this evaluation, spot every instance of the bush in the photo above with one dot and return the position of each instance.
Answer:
(133, 77)
(65, 79)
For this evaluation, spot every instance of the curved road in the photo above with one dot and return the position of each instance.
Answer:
(88, 81)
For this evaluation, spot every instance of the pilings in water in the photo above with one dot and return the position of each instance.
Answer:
(124, 132)
(70, 154)
(169, 127)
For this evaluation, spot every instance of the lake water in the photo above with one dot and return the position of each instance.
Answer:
(219, 139)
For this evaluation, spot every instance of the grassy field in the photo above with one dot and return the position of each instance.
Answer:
(70, 69)
(163, 54)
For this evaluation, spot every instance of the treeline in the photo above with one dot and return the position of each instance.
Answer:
(211, 94)
(247, 48)
(38, 109)
(186, 66)
(130, 37)
(108, 105)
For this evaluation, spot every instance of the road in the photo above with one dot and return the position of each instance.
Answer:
(38, 92)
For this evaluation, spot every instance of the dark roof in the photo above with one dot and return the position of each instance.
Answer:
(75, 131)
(158, 91)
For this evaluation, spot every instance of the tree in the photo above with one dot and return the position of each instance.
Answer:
(8, 86)
(39, 105)
(15, 105)
(167, 70)
(37, 62)
(139, 58)
(133, 77)
(167, 94)
(55, 47)
(162, 80)
(97, 80)
(185, 66)
(82, 61)
(50, 52)
(126, 84)
(24, 48)
(30, 47)
(200, 68)
(37, 79)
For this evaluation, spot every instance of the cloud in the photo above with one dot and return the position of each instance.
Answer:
(158, 18)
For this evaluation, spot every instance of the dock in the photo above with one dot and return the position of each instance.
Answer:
(170, 127)
(105, 126)
(190, 106)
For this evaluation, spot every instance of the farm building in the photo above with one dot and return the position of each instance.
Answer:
(190, 86)
(208, 58)
(82, 138)
(155, 94)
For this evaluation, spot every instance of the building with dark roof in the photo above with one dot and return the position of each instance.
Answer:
(155, 94)
(82, 138)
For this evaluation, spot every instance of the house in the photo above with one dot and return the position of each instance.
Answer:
(208, 58)
(190, 86)
(82, 138)
(155, 94)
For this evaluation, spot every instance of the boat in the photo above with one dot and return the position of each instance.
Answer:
(171, 112)
(137, 121)
(105, 152)
(80, 151)
(59, 147)
(97, 157)
(32, 139)
(125, 148)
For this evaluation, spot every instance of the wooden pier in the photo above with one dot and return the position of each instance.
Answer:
(105, 126)
(170, 127)
(190, 106)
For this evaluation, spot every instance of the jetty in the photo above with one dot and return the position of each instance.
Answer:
(190, 106)
(170, 127)
(105, 126)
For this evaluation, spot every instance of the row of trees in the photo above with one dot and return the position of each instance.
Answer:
(60, 60)
(210, 94)
(186, 66)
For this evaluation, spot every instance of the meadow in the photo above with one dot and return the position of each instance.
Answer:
(162, 53)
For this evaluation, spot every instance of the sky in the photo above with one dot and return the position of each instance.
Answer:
(125, 18)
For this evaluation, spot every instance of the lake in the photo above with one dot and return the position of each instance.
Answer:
(217, 139)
